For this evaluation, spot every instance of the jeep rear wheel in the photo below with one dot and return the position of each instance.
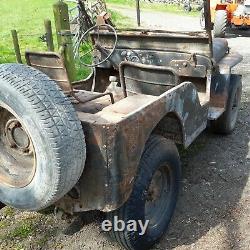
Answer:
(42, 147)
(154, 195)
(227, 122)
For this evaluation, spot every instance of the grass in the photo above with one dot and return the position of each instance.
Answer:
(3, 224)
(22, 231)
(28, 21)
(146, 6)
(8, 211)
(26, 230)
(121, 21)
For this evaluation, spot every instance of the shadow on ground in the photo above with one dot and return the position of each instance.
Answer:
(82, 220)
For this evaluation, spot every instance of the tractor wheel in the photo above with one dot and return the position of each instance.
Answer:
(153, 197)
(227, 122)
(202, 19)
(42, 145)
(220, 23)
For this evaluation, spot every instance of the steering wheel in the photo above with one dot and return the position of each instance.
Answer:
(89, 46)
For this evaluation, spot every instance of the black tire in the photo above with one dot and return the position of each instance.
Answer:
(160, 155)
(226, 123)
(49, 122)
(220, 23)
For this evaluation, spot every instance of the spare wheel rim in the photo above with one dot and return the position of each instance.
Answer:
(17, 152)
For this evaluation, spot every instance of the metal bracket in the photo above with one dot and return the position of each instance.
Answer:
(65, 33)
(187, 68)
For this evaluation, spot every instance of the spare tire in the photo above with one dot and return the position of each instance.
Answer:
(42, 144)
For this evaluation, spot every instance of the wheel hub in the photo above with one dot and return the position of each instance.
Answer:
(17, 136)
(157, 196)
(155, 188)
(17, 155)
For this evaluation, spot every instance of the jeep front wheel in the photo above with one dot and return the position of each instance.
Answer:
(153, 198)
(42, 147)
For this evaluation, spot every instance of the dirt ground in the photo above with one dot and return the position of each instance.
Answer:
(213, 210)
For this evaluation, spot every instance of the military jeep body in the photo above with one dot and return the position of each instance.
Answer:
(108, 143)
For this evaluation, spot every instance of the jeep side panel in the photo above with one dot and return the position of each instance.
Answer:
(116, 137)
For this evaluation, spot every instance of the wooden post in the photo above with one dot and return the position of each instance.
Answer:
(64, 37)
(16, 46)
(49, 35)
(138, 12)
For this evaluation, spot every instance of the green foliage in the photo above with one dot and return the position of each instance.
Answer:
(122, 22)
(28, 20)
(3, 224)
(8, 211)
(147, 6)
(22, 231)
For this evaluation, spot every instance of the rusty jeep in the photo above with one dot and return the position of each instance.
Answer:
(108, 143)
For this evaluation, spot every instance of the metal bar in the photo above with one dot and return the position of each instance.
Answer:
(94, 97)
(208, 23)
(43, 66)
(148, 82)
(49, 35)
(16, 46)
(57, 80)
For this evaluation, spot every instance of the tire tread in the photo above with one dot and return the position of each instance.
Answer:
(58, 118)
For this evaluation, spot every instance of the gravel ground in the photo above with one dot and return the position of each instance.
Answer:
(213, 211)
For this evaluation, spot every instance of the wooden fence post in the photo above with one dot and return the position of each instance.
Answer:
(49, 35)
(64, 37)
(16, 46)
(138, 13)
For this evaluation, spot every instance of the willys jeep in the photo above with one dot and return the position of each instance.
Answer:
(108, 143)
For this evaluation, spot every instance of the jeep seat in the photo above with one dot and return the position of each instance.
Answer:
(147, 79)
(52, 64)
(220, 48)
